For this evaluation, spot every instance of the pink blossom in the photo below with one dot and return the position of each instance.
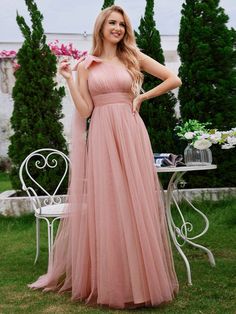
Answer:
(7, 53)
(15, 66)
(66, 50)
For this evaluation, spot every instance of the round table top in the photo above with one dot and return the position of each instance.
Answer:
(185, 168)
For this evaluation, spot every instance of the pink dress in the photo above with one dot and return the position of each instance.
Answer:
(113, 247)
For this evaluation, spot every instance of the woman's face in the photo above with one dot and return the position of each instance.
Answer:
(114, 28)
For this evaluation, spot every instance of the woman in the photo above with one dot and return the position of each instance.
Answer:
(113, 247)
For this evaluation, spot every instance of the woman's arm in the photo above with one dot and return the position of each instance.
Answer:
(79, 89)
(151, 66)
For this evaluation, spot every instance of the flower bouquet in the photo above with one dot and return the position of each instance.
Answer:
(200, 138)
(198, 135)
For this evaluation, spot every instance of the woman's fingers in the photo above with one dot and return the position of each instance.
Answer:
(136, 104)
(134, 108)
(65, 69)
(64, 64)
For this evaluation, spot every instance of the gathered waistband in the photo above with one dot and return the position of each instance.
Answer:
(112, 98)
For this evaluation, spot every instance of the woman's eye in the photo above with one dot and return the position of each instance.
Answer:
(114, 22)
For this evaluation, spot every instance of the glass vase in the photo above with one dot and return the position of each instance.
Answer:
(197, 157)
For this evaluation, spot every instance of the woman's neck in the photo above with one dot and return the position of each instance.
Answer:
(109, 51)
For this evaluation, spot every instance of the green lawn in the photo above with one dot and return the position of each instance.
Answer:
(213, 290)
(5, 183)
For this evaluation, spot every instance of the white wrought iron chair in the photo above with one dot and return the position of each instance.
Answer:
(50, 207)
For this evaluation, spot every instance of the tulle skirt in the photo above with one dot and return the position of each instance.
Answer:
(113, 247)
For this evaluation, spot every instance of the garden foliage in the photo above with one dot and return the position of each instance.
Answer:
(107, 3)
(37, 102)
(158, 113)
(208, 73)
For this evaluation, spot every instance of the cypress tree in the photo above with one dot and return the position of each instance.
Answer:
(37, 101)
(107, 3)
(208, 73)
(158, 113)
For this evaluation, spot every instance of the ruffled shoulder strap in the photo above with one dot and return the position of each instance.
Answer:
(88, 60)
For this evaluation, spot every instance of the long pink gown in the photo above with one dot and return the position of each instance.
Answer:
(112, 248)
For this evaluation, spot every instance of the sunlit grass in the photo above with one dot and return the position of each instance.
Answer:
(213, 290)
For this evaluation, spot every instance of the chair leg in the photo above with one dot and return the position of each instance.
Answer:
(49, 237)
(52, 234)
(52, 230)
(37, 239)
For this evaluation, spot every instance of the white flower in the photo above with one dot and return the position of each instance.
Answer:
(227, 146)
(202, 144)
(231, 140)
(189, 135)
(214, 138)
(198, 135)
(204, 135)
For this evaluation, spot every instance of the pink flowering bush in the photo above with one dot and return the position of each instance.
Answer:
(66, 50)
(8, 53)
(56, 49)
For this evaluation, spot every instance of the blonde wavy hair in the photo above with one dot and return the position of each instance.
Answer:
(127, 50)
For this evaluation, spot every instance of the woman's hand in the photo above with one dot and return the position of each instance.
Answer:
(137, 104)
(65, 69)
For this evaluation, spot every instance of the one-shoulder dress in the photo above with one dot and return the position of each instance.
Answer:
(114, 249)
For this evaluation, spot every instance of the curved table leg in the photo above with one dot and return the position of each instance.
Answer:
(189, 239)
(186, 227)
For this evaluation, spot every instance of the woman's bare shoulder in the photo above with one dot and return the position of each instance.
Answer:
(141, 56)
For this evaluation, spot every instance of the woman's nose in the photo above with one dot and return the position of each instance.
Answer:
(117, 27)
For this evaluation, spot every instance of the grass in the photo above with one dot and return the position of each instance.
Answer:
(213, 290)
(5, 183)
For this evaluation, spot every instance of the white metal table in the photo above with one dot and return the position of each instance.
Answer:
(180, 235)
